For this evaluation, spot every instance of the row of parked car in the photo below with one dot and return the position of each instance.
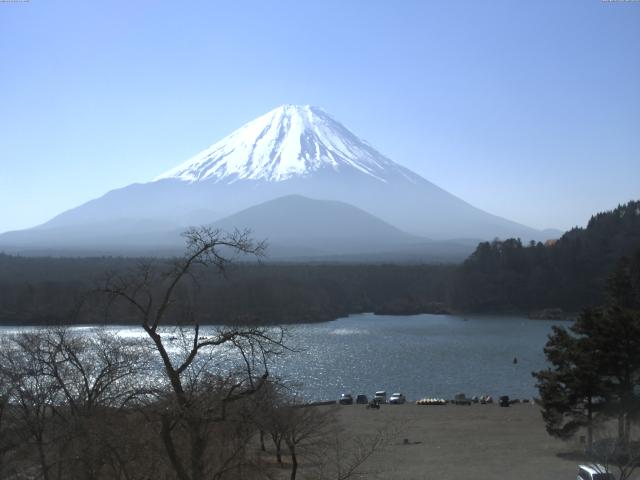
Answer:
(459, 399)
(378, 398)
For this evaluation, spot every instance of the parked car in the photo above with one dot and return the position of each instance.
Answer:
(380, 396)
(594, 472)
(461, 399)
(345, 399)
(397, 398)
(362, 399)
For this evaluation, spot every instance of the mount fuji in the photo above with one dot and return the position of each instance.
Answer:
(290, 151)
(287, 143)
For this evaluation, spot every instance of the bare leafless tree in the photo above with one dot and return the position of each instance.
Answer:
(98, 375)
(267, 411)
(161, 298)
(617, 456)
(306, 430)
(345, 456)
(7, 436)
(316, 442)
(32, 396)
(65, 392)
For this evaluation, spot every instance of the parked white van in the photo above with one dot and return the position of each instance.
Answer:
(380, 396)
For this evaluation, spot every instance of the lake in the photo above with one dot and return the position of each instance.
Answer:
(420, 355)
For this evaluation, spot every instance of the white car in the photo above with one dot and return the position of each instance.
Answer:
(594, 472)
(397, 398)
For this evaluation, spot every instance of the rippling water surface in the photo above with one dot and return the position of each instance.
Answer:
(421, 355)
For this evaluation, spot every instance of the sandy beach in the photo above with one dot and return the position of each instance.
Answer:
(455, 442)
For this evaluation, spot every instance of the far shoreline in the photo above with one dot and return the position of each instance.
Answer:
(466, 316)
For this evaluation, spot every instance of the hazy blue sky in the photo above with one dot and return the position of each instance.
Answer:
(530, 110)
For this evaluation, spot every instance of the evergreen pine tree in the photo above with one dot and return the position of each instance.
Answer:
(595, 364)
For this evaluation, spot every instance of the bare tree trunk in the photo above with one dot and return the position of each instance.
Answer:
(620, 427)
(198, 446)
(262, 447)
(43, 460)
(589, 423)
(170, 447)
(294, 461)
(627, 429)
(277, 441)
(3, 449)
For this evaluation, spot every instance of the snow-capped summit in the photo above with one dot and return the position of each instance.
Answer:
(289, 141)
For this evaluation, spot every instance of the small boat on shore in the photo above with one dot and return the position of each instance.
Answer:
(431, 401)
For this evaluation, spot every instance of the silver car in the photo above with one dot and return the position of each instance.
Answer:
(397, 398)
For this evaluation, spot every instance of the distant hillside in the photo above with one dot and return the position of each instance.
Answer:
(316, 227)
(297, 228)
(500, 276)
(570, 273)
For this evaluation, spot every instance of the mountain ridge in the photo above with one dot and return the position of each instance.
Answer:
(291, 150)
